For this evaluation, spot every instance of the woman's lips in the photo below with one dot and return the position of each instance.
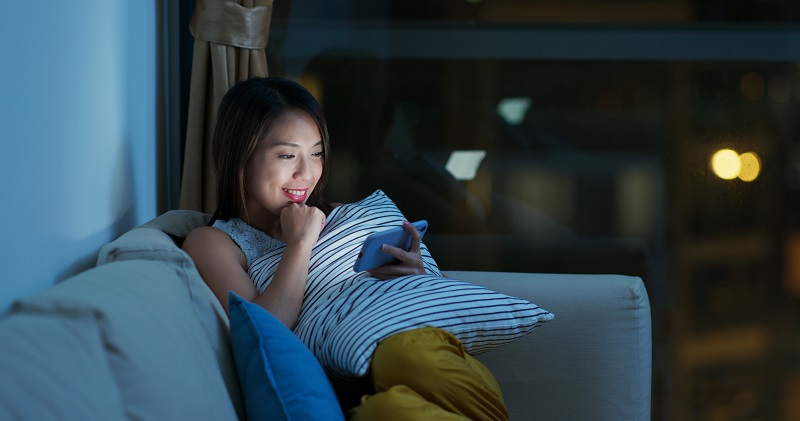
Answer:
(296, 195)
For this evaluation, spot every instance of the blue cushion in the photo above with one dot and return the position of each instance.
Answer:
(280, 378)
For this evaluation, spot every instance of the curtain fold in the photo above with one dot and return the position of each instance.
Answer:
(230, 41)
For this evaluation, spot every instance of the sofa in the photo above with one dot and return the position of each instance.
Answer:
(140, 336)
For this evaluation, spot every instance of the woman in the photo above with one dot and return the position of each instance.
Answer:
(271, 151)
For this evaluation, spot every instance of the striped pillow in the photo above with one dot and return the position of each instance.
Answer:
(354, 321)
(346, 314)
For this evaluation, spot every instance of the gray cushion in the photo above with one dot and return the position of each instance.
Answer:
(54, 366)
(155, 240)
(157, 349)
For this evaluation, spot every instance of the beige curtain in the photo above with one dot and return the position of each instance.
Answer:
(230, 38)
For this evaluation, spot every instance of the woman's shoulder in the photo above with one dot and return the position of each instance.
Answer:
(251, 241)
(213, 251)
(209, 244)
(207, 236)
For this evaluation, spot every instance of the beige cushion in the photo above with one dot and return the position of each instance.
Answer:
(157, 348)
(152, 241)
(54, 368)
(179, 223)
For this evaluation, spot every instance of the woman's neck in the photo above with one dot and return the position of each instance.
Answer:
(268, 224)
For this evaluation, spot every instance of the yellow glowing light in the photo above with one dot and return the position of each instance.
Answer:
(726, 164)
(751, 166)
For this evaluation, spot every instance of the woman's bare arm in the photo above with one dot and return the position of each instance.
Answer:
(223, 267)
(221, 264)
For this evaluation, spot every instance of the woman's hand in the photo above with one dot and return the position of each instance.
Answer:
(301, 223)
(410, 262)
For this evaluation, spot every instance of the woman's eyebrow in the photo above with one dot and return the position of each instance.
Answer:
(290, 144)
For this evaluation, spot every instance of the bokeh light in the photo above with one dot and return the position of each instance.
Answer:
(751, 166)
(513, 110)
(726, 164)
(779, 88)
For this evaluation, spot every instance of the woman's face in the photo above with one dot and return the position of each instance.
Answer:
(284, 167)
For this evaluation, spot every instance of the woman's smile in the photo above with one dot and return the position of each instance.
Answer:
(296, 195)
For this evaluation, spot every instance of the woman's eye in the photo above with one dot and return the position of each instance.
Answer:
(286, 156)
(318, 154)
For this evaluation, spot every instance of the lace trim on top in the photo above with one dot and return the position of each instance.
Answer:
(253, 242)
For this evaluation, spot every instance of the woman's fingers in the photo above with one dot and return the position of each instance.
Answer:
(416, 237)
(410, 262)
(299, 221)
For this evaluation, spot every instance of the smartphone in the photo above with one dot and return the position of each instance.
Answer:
(371, 255)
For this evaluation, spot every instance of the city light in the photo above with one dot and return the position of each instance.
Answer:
(779, 88)
(751, 166)
(463, 165)
(513, 110)
(727, 164)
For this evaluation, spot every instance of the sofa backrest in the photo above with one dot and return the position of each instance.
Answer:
(133, 333)
(592, 361)
(54, 367)
(156, 241)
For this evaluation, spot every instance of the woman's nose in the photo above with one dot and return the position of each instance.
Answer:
(303, 170)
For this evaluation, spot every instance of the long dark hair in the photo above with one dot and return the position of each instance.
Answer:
(245, 116)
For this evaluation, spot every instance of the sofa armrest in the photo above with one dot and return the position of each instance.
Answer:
(592, 361)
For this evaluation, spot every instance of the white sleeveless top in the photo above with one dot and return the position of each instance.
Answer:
(254, 243)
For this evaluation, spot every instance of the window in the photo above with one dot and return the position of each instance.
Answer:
(578, 137)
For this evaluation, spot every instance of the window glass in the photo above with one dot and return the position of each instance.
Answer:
(657, 139)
